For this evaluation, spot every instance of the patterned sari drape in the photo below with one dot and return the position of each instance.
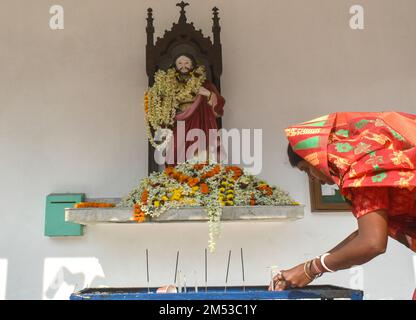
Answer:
(361, 150)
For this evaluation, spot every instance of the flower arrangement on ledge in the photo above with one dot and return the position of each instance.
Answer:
(211, 186)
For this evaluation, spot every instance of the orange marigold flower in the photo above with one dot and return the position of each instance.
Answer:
(212, 172)
(169, 170)
(193, 182)
(144, 197)
(263, 187)
(238, 172)
(199, 166)
(236, 176)
(266, 189)
(140, 217)
(252, 200)
(184, 178)
(204, 188)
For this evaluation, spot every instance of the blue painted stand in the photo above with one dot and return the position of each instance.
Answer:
(219, 293)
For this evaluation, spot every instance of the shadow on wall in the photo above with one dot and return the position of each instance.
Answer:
(63, 276)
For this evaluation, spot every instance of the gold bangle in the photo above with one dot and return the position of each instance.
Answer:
(306, 273)
(315, 266)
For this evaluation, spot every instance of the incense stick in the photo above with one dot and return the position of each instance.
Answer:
(196, 281)
(147, 270)
(176, 267)
(242, 269)
(206, 271)
(228, 268)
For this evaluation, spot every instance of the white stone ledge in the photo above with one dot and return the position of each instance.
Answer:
(87, 216)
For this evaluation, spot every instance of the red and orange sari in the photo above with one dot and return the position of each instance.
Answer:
(371, 156)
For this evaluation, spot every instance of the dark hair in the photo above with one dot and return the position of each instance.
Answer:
(188, 55)
(294, 158)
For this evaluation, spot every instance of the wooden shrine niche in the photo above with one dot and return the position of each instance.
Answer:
(183, 38)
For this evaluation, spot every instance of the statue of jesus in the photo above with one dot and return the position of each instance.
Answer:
(183, 99)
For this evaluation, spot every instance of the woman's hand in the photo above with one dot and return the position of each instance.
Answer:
(278, 284)
(293, 278)
(204, 92)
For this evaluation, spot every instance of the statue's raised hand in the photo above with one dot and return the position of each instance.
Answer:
(204, 92)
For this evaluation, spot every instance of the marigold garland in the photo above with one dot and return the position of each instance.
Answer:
(252, 200)
(266, 189)
(94, 205)
(146, 102)
(139, 215)
(144, 197)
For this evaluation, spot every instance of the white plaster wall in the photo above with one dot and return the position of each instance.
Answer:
(71, 121)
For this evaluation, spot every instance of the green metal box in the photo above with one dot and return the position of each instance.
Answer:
(55, 224)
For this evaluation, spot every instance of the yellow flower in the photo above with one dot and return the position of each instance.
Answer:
(230, 191)
(157, 204)
(164, 198)
(230, 196)
(224, 183)
(195, 188)
(221, 189)
(177, 194)
(230, 203)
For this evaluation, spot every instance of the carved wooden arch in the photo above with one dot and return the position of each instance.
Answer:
(183, 37)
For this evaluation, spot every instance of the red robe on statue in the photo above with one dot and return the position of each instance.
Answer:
(200, 115)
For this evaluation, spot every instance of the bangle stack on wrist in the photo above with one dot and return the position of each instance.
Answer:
(317, 271)
(307, 269)
(316, 267)
(307, 265)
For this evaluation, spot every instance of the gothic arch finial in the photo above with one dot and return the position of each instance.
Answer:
(182, 5)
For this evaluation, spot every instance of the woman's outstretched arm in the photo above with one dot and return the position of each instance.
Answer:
(344, 242)
(369, 242)
(366, 243)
